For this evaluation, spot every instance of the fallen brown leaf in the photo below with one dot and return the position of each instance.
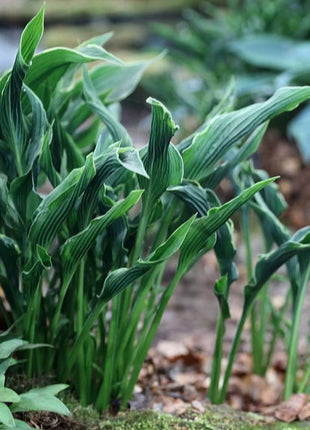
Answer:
(198, 407)
(174, 406)
(192, 378)
(254, 387)
(304, 414)
(289, 410)
(242, 365)
(171, 350)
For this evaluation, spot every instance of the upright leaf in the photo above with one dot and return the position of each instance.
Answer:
(162, 160)
(13, 126)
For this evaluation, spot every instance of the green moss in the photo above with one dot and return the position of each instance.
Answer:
(214, 418)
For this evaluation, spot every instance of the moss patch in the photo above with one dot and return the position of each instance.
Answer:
(214, 418)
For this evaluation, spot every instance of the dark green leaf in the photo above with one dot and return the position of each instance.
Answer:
(269, 263)
(57, 206)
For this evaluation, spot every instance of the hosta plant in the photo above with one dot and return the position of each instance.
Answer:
(82, 262)
(36, 399)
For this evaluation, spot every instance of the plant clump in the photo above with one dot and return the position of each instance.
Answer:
(81, 266)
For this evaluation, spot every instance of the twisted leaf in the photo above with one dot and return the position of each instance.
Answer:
(269, 263)
(162, 160)
(225, 130)
(201, 235)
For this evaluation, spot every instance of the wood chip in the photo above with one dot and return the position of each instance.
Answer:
(289, 410)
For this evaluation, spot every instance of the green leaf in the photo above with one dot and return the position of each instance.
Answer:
(9, 255)
(50, 66)
(200, 201)
(4, 365)
(9, 346)
(117, 131)
(236, 156)
(6, 416)
(224, 247)
(58, 205)
(13, 126)
(46, 161)
(130, 159)
(201, 235)
(44, 257)
(193, 196)
(115, 81)
(51, 390)
(8, 396)
(270, 51)
(224, 131)
(299, 130)
(77, 246)
(8, 214)
(269, 263)
(25, 198)
(101, 40)
(120, 279)
(225, 105)
(21, 425)
(39, 127)
(162, 160)
(31, 36)
(42, 399)
(271, 194)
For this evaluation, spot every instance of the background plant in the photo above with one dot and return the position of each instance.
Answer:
(249, 41)
(82, 266)
(36, 399)
(263, 46)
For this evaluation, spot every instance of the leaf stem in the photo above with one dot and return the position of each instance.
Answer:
(144, 344)
(213, 391)
(83, 391)
(232, 355)
(293, 345)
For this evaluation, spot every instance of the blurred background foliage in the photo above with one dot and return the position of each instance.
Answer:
(260, 45)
